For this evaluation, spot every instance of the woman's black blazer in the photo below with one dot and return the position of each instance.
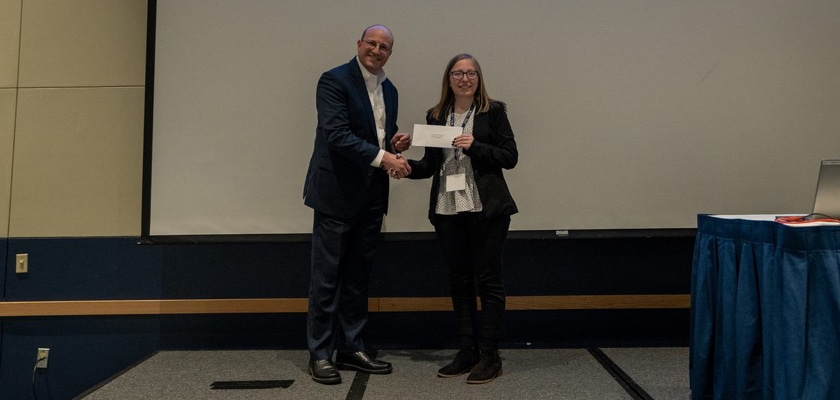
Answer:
(493, 149)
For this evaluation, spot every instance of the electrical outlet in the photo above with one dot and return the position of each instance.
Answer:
(22, 264)
(43, 357)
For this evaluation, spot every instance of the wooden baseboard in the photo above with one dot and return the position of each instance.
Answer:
(300, 305)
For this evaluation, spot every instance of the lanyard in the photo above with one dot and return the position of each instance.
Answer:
(466, 119)
(458, 153)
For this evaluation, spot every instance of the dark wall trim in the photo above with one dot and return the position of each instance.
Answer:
(414, 236)
(148, 117)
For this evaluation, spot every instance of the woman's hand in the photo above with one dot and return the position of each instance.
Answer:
(463, 142)
(396, 165)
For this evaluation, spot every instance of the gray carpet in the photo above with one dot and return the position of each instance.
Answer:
(661, 373)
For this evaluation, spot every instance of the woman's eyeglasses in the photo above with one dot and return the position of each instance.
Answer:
(458, 75)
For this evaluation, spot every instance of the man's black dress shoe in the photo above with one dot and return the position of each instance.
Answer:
(323, 371)
(359, 361)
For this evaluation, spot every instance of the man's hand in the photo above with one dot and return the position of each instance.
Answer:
(401, 142)
(396, 165)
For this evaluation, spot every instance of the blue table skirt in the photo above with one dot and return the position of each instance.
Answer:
(765, 314)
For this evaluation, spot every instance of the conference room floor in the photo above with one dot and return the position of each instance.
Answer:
(581, 374)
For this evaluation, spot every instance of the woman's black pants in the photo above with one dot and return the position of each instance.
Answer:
(472, 247)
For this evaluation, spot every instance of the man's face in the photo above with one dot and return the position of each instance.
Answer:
(374, 49)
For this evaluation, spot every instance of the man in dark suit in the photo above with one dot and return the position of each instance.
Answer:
(356, 147)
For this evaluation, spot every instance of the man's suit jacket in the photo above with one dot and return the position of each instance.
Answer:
(340, 175)
(494, 148)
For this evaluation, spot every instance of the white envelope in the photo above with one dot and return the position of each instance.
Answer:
(434, 135)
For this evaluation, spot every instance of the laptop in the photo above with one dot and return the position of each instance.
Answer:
(827, 198)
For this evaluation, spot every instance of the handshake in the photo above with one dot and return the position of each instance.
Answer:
(395, 164)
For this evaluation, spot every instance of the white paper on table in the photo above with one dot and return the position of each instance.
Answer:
(434, 135)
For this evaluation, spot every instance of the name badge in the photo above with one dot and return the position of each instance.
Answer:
(456, 182)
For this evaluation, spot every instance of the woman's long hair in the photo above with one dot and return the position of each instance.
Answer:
(447, 96)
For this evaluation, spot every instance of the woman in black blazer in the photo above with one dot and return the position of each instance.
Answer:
(470, 207)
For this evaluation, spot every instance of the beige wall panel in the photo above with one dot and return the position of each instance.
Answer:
(7, 135)
(9, 42)
(83, 43)
(78, 163)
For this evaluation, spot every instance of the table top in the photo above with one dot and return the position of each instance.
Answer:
(772, 218)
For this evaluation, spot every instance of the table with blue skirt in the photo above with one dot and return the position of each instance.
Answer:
(765, 309)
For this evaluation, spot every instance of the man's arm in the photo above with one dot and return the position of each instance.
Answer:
(333, 106)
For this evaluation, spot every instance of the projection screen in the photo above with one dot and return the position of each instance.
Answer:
(628, 114)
